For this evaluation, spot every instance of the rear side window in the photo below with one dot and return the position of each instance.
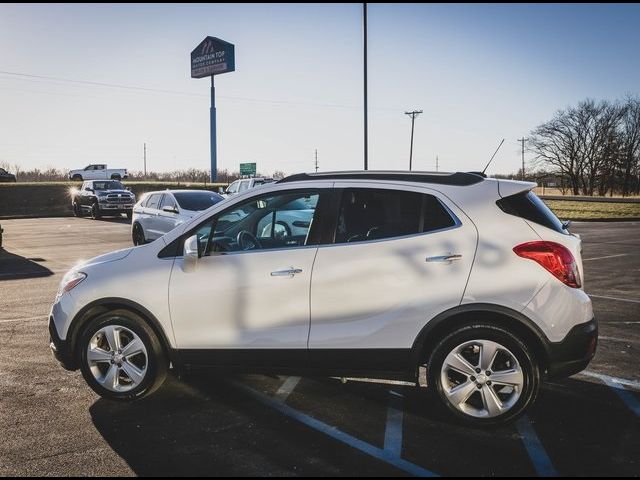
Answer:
(372, 214)
(527, 205)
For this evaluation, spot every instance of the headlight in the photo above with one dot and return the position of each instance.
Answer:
(70, 281)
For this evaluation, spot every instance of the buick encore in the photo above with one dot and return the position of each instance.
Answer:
(472, 282)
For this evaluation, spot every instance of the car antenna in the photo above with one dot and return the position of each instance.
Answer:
(494, 154)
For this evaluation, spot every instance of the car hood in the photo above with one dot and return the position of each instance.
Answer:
(106, 258)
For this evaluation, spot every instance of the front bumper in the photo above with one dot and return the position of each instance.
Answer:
(115, 207)
(574, 353)
(60, 348)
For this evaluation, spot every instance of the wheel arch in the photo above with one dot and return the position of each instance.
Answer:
(98, 307)
(447, 321)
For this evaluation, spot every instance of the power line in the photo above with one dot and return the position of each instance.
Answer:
(523, 139)
(57, 80)
(413, 116)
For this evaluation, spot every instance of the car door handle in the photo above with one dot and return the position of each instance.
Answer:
(445, 258)
(290, 272)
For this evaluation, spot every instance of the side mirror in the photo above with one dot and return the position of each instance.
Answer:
(190, 253)
(170, 209)
(89, 189)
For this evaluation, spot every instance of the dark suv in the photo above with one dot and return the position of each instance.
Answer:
(6, 176)
(102, 197)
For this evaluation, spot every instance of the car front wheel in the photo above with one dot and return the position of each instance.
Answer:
(95, 211)
(121, 357)
(483, 375)
(138, 235)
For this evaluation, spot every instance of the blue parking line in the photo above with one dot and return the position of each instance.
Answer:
(626, 396)
(393, 430)
(336, 434)
(538, 455)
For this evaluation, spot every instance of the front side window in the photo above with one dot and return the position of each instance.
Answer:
(153, 201)
(373, 214)
(282, 220)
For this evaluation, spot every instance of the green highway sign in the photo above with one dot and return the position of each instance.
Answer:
(248, 169)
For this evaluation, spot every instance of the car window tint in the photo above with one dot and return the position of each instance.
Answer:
(197, 201)
(374, 214)
(265, 222)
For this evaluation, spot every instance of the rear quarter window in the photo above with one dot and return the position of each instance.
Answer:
(527, 205)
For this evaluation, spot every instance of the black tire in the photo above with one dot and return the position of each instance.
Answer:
(77, 177)
(77, 210)
(129, 215)
(137, 234)
(95, 211)
(115, 176)
(484, 331)
(157, 364)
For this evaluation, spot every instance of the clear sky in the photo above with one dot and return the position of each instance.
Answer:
(480, 73)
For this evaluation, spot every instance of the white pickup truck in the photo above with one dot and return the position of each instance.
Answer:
(98, 172)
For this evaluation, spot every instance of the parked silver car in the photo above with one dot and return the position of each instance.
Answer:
(160, 212)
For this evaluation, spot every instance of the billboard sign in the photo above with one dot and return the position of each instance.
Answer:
(212, 57)
(248, 169)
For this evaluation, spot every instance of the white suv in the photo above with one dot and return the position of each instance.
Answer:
(380, 274)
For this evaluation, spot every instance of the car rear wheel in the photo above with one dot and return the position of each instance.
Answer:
(115, 176)
(483, 375)
(138, 235)
(121, 358)
(77, 177)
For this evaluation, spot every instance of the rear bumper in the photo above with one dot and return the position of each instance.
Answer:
(60, 348)
(574, 353)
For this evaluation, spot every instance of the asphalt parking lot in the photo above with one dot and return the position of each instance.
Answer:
(53, 424)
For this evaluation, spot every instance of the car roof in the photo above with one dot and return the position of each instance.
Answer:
(441, 178)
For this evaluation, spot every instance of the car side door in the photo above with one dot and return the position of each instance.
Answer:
(247, 300)
(151, 211)
(396, 257)
(167, 221)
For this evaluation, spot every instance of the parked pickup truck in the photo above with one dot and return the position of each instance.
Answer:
(102, 197)
(98, 172)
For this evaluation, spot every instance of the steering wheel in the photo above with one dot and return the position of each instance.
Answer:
(247, 240)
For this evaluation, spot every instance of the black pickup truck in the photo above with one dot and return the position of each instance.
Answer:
(100, 198)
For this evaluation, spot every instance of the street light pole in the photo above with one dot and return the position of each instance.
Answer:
(366, 121)
(413, 120)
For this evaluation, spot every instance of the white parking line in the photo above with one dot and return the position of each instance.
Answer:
(287, 387)
(28, 319)
(607, 256)
(614, 298)
(607, 378)
(336, 434)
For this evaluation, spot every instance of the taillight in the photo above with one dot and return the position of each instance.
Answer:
(555, 258)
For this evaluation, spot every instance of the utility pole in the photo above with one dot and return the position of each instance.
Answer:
(316, 160)
(145, 160)
(436, 163)
(413, 120)
(523, 139)
(366, 124)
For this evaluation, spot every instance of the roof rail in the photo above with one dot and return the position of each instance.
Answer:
(456, 179)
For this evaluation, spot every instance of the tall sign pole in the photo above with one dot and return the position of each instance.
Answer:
(213, 57)
(366, 120)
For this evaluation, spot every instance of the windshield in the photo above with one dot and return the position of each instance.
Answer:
(108, 185)
(196, 201)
